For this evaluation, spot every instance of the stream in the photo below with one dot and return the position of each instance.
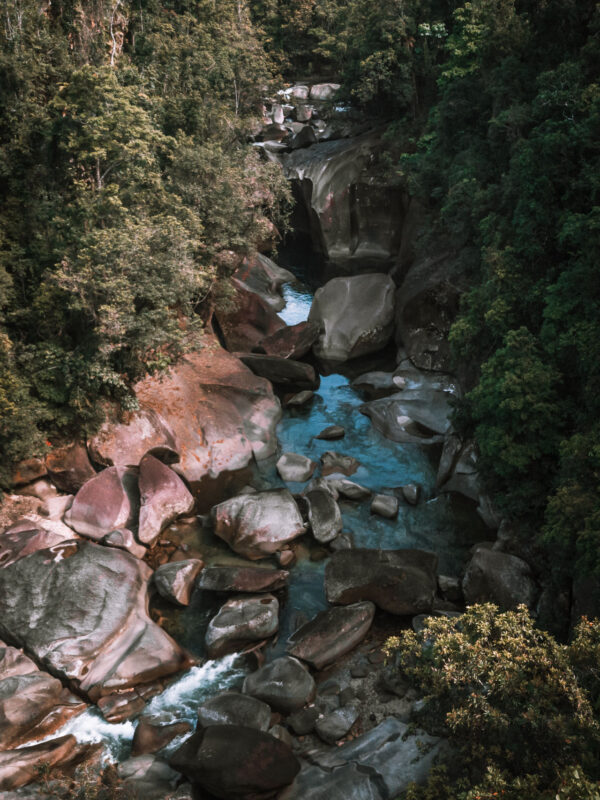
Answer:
(436, 523)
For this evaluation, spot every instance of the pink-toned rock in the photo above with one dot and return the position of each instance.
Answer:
(264, 277)
(20, 767)
(164, 497)
(293, 342)
(69, 467)
(24, 538)
(28, 471)
(219, 415)
(175, 581)
(80, 609)
(124, 539)
(108, 501)
(247, 320)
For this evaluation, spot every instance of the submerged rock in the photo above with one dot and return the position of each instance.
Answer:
(355, 316)
(258, 525)
(332, 432)
(331, 634)
(399, 581)
(338, 462)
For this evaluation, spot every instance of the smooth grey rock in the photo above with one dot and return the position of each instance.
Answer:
(234, 708)
(464, 476)
(282, 371)
(295, 468)
(349, 489)
(331, 634)
(303, 721)
(87, 620)
(301, 398)
(258, 525)
(242, 579)
(385, 505)
(164, 497)
(149, 776)
(411, 493)
(338, 462)
(355, 315)
(413, 416)
(232, 762)
(242, 621)
(337, 724)
(331, 433)
(399, 581)
(108, 501)
(283, 683)
(175, 581)
(324, 515)
(495, 577)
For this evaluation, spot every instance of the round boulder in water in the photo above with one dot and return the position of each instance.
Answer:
(234, 708)
(295, 467)
(283, 683)
(242, 621)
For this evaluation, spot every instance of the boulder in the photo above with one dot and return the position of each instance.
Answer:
(324, 91)
(351, 213)
(282, 371)
(175, 581)
(124, 540)
(331, 634)
(331, 432)
(147, 776)
(258, 525)
(264, 277)
(293, 341)
(235, 708)
(33, 704)
(463, 476)
(209, 408)
(69, 467)
(25, 538)
(379, 765)
(20, 767)
(399, 581)
(245, 321)
(28, 471)
(283, 683)
(164, 497)
(153, 733)
(349, 489)
(305, 136)
(295, 468)
(378, 384)
(338, 462)
(335, 725)
(304, 113)
(411, 493)
(231, 761)
(385, 505)
(274, 133)
(298, 92)
(277, 114)
(80, 609)
(300, 398)
(242, 579)
(355, 316)
(495, 577)
(324, 515)
(108, 501)
(413, 416)
(240, 622)
(54, 507)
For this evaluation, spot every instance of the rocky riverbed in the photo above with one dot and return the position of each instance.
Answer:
(201, 591)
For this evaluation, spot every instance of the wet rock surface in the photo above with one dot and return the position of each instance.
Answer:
(240, 622)
(324, 516)
(331, 634)
(285, 684)
(295, 467)
(242, 579)
(175, 581)
(164, 497)
(234, 708)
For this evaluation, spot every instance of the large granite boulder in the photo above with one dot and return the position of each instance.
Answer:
(379, 765)
(164, 497)
(495, 577)
(234, 708)
(282, 371)
(258, 525)
(264, 277)
(108, 501)
(80, 609)
(69, 467)
(209, 408)
(154, 732)
(283, 683)
(413, 416)
(242, 579)
(331, 634)
(294, 341)
(324, 515)
(233, 762)
(400, 581)
(355, 316)
(353, 217)
(33, 704)
(247, 319)
(22, 766)
(175, 581)
(240, 622)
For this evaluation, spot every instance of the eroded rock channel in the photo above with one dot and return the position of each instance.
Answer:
(203, 590)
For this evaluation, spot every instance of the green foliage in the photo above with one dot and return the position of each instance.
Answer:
(515, 704)
(125, 182)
